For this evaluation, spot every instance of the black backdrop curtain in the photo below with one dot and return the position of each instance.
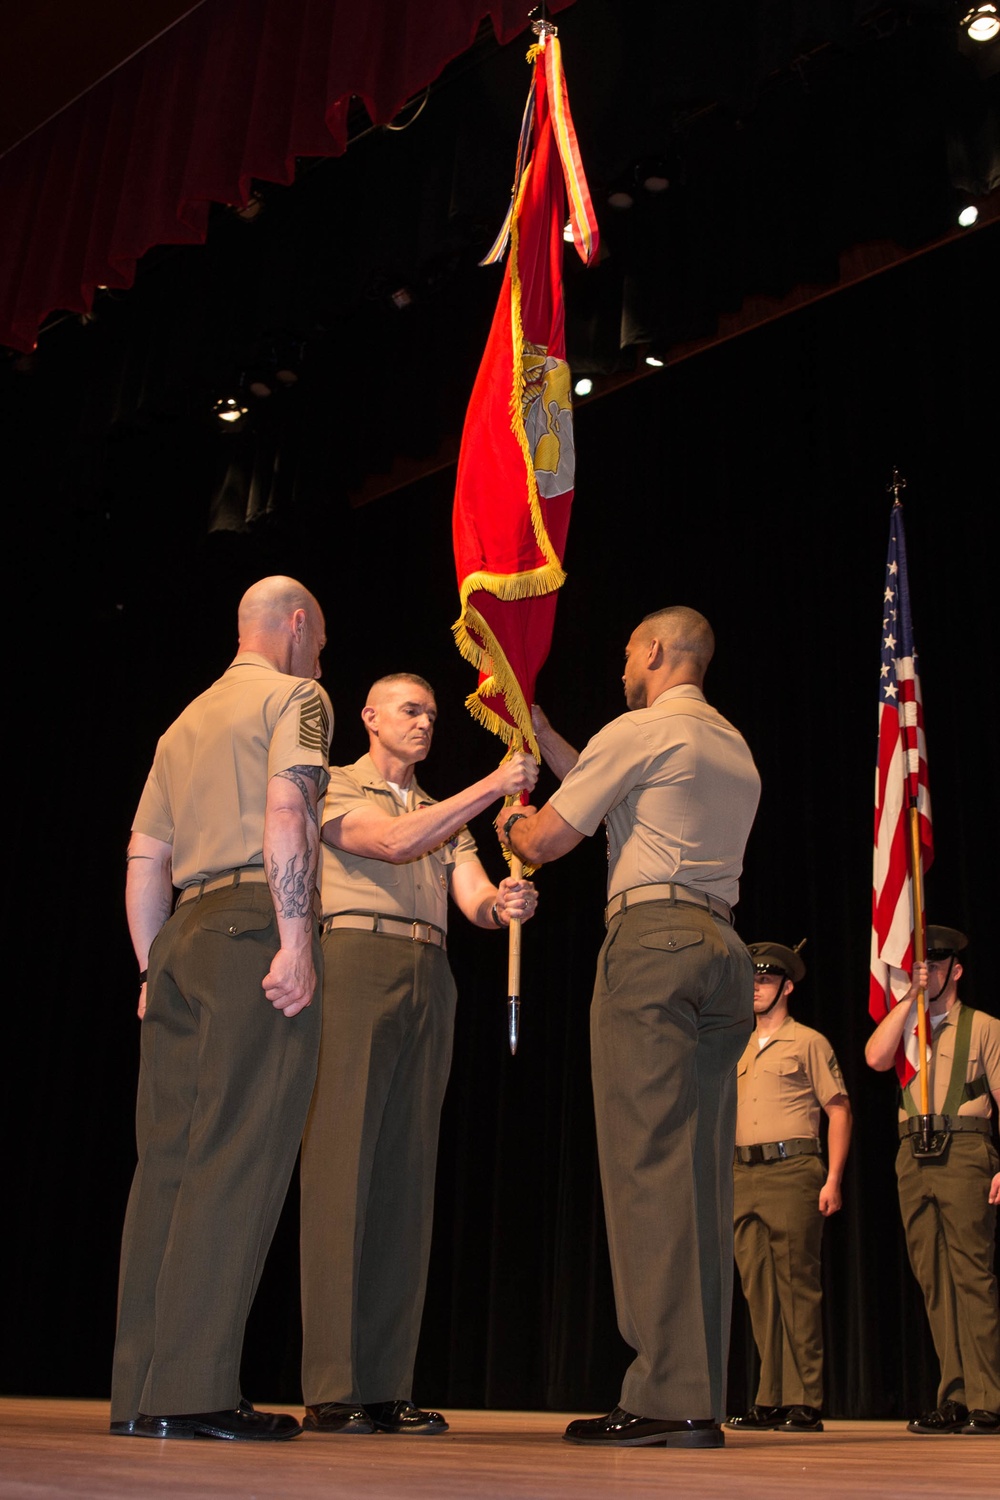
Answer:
(750, 483)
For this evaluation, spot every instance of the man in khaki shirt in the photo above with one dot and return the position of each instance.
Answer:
(948, 1194)
(786, 1079)
(672, 1009)
(229, 815)
(392, 856)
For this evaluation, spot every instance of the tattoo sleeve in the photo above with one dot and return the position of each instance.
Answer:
(299, 776)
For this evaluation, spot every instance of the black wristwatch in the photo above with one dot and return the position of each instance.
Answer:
(512, 819)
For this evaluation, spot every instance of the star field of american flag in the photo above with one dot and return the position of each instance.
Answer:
(900, 783)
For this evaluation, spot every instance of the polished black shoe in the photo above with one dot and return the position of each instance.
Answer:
(128, 1429)
(800, 1419)
(403, 1416)
(950, 1416)
(239, 1426)
(337, 1416)
(758, 1419)
(982, 1423)
(620, 1429)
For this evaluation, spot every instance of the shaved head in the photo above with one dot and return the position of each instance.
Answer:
(685, 635)
(268, 604)
(280, 620)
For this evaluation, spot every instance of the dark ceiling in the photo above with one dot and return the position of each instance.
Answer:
(804, 145)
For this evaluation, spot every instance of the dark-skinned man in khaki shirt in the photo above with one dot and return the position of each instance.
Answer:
(672, 1009)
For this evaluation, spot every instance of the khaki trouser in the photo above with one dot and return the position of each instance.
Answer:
(368, 1164)
(778, 1234)
(672, 1010)
(950, 1228)
(224, 1087)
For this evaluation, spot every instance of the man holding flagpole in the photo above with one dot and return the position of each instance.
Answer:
(949, 1188)
(392, 857)
(672, 1010)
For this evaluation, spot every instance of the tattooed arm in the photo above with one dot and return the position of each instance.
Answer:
(148, 897)
(291, 853)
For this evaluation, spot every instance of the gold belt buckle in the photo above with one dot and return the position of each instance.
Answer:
(415, 935)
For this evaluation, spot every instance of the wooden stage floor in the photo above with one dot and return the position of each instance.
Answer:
(53, 1449)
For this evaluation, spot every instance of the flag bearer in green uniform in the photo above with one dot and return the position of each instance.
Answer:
(949, 1186)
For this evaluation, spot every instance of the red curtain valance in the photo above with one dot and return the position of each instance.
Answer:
(236, 90)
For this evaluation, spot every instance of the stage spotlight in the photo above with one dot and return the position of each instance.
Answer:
(982, 23)
(229, 410)
(968, 216)
(583, 386)
(654, 360)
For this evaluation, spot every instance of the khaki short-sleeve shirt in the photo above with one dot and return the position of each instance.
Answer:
(984, 1061)
(783, 1087)
(416, 890)
(207, 790)
(679, 789)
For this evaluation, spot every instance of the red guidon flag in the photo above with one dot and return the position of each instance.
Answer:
(516, 465)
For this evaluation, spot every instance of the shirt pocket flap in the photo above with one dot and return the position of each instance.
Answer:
(671, 939)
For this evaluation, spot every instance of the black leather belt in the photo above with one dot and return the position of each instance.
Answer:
(800, 1145)
(373, 921)
(949, 1124)
(676, 895)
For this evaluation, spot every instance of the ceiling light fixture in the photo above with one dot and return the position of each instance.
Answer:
(982, 23)
(229, 410)
(968, 215)
(583, 386)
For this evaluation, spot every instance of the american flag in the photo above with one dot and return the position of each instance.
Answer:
(900, 783)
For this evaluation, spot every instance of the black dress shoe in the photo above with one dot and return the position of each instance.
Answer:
(240, 1426)
(758, 1419)
(128, 1429)
(403, 1416)
(800, 1419)
(982, 1423)
(620, 1429)
(950, 1416)
(337, 1416)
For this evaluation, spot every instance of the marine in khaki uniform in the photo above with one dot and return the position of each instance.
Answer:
(671, 1011)
(229, 815)
(787, 1078)
(392, 857)
(949, 1185)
